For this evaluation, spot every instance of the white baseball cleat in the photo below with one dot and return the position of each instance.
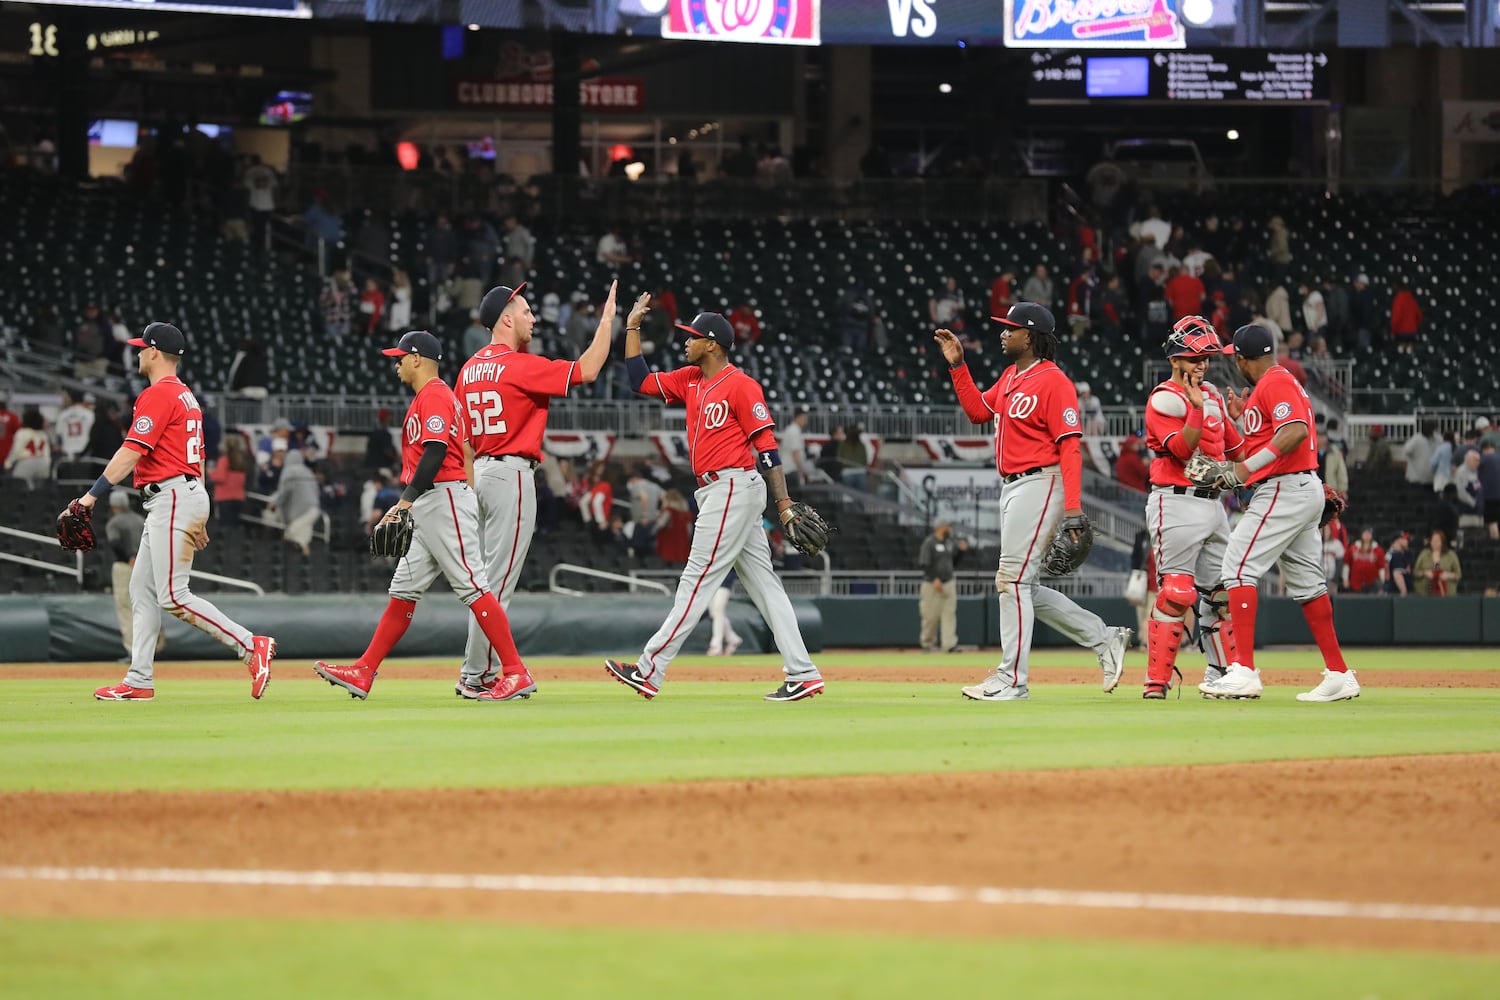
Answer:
(1238, 682)
(1333, 687)
(1112, 658)
(995, 689)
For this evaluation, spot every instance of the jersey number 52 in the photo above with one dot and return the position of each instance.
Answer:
(484, 412)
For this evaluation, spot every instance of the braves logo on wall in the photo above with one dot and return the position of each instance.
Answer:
(778, 22)
(1117, 24)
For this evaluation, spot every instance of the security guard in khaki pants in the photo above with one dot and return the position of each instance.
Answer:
(939, 593)
(124, 534)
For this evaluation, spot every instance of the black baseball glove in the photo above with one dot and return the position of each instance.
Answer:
(1333, 505)
(392, 538)
(75, 528)
(1067, 553)
(805, 528)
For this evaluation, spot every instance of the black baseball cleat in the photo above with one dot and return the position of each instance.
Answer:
(630, 675)
(796, 690)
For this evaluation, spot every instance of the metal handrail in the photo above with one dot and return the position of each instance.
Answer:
(76, 571)
(633, 582)
(905, 582)
(230, 581)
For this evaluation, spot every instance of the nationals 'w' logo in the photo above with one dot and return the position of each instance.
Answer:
(1021, 406)
(715, 415)
(1253, 421)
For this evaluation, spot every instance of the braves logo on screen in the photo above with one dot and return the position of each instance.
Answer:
(1136, 24)
(793, 22)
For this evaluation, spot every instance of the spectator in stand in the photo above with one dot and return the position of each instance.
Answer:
(1470, 443)
(322, 222)
(1314, 309)
(475, 336)
(1398, 579)
(1091, 408)
(1379, 457)
(1146, 256)
(645, 507)
(1437, 571)
(1196, 260)
(119, 349)
(1184, 293)
(1131, 468)
(481, 248)
(1156, 314)
(228, 477)
(674, 529)
(518, 242)
(597, 503)
(1291, 364)
(297, 499)
(1003, 294)
(854, 457)
(371, 307)
(398, 316)
(1333, 554)
(1488, 433)
(91, 339)
(947, 304)
(9, 424)
(380, 445)
(1466, 479)
(1406, 318)
(1418, 451)
(1038, 287)
(260, 187)
(794, 445)
(746, 325)
(30, 457)
(72, 426)
(1278, 249)
(249, 372)
(1336, 305)
(441, 244)
(1442, 461)
(105, 436)
(1489, 488)
(1319, 368)
(1114, 307)
(1279, 309)
(1444, 512)
(853, 319)
(1362, 311)
(1258, 316)
(337, 303)
(1333, 468)
(513, 273)
(1154, 226)
(612, 249)
(1364, 564)
(1083, 302)
(580, 326)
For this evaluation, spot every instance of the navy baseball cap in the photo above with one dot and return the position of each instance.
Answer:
(494, 302)
(1252, 341)
(418, 342)
(1028, 316)
(711, 326)
(163, 336)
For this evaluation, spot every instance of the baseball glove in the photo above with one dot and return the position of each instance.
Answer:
(1066, 553)
(75, 528)
(805, 528)
(1208, 472)
(392, 538)
(1333, 505)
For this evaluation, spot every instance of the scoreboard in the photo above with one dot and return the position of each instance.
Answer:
(1226, 76)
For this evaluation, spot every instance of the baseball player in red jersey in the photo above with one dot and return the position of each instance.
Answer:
(164, 448)
(1037, 430)
(505, 393)
(1280, 525)
(727, 417)
(1187, 524)
(446, 539)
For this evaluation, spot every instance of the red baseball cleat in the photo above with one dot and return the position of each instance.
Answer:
(356, 679)
(510, 687)
(262, 652)
(630, 675)
(124, 692)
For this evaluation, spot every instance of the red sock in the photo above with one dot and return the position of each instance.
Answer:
(393, 625)
(1243, 602)
(1163, 639)
(491, 617)
(1319, 615)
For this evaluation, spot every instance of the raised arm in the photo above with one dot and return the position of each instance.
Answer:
(591, 362)
(969, 396)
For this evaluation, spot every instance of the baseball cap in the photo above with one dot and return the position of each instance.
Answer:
(1028, 316)
(1482, 424)
(164, 337)
(494, 302)
(418, 342)
(711, 326)
(119, 500)
(1252, 341)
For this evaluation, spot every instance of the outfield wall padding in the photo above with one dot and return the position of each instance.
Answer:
(339, 626)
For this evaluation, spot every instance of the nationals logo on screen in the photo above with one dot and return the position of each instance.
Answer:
(779, 22)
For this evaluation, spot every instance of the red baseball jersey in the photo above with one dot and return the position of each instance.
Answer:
(9, 424)
(434, 415)
(506, 395)
(1034, 410)
(1166, 415)
(1364, 565)
(723, 414)
(167, 429)
(1279, 399)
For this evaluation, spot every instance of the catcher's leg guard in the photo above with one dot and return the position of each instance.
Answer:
(1215, 630)
(1176, 594)
(1164, 632)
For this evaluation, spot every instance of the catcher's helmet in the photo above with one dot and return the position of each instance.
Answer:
(1192, 337)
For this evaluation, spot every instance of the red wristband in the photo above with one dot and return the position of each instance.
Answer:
(1195, 417)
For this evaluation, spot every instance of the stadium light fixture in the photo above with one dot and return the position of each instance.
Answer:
(1197, 12)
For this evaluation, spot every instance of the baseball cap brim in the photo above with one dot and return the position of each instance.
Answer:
(137, 342)
(1003, 321)
(1228, 349)
(684, 327)
(395, 352)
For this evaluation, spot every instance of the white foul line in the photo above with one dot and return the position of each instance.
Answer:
(621, 885)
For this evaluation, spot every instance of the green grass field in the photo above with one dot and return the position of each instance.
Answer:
(204, 734)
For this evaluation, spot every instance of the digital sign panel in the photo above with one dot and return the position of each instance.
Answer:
(260, 8)
(1241, 76)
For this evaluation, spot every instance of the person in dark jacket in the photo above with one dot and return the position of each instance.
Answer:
(939, 602)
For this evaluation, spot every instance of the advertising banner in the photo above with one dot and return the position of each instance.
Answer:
(775, 22)
(1075, 24)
